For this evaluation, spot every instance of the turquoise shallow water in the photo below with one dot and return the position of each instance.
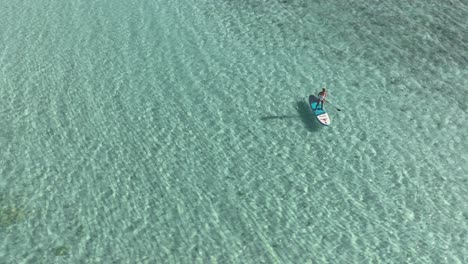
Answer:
(176, 132)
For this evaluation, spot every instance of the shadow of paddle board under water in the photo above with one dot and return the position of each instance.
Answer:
(280, 117)
(306, 115)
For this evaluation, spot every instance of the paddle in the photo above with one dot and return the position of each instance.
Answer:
(333, 105)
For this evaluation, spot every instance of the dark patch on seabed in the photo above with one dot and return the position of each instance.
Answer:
(11, 211)
(61, 251)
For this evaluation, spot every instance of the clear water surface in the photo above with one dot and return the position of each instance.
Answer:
(176, 132)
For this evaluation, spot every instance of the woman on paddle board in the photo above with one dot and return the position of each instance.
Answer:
(321, 98)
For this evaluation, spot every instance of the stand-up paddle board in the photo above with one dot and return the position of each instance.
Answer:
(320, 113)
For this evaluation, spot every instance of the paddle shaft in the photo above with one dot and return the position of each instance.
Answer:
(333, 105)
